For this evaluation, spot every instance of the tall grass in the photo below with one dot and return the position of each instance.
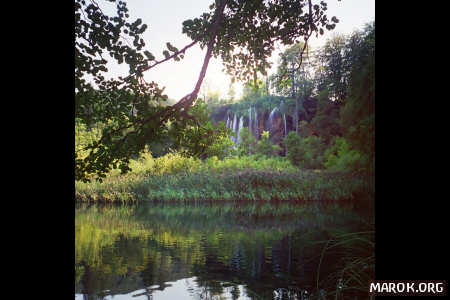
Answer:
(176, 178)
(354, 269)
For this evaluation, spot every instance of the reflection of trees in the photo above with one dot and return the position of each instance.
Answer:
(148, 278)
(264, 256)
(237, 258)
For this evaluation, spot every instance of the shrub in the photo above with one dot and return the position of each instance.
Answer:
(221, 148)
(265, 146)
(304, 152)
(173, 163)
(248, 143)
(340, 157)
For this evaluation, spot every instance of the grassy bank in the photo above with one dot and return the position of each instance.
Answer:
(174, 178)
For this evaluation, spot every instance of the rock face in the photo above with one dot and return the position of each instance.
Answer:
(263, 122)
(256, 130)
(274, 121)
(276, 126)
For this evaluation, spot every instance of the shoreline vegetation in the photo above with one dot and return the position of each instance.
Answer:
(173, 178)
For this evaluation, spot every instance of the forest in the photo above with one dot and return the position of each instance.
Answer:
(304, 132)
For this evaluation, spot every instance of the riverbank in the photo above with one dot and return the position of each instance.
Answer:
(218, 181)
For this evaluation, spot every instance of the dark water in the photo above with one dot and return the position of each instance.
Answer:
(223, 251)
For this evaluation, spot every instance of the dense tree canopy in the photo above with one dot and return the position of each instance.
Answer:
(293, 78)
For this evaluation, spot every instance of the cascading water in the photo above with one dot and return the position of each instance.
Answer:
(228, 122)
(241, 123)
(234, 127)
(271, 120)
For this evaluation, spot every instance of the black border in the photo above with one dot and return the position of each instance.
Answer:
(411, 214)
(411, 135)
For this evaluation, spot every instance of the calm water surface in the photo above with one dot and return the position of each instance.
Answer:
(221, 251)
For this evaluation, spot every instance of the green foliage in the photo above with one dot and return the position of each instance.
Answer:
(340, 157)
(252, 91)
(248, 184)
(304, 129)
(334, 75)
(84, 136)
(222, 147)
(261, 104)
(357, 116)
(295, 152)
(117, 119)
(293, 77)
(266, 147)
(325, 122)
(337, 110)
(254, 185)
(305, 152)
(198, 136)
(132, 111)
(198, 132)
(119, 105)
(134, 186)
(174, 163)
(354, 268)
(248, 143)
(249, 31)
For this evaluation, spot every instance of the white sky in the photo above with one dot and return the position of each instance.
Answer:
(165, 17)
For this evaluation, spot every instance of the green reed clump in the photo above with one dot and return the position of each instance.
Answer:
(254, 178)
(254, 185)
(354, 269)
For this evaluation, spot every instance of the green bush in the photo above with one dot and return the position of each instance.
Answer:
(305, 152)
(85, 135)
(221, 148)
(174, 163)
(265, 146)
(248, 143)
(340, 157)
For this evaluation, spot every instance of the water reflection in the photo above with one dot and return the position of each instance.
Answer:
(218, 251)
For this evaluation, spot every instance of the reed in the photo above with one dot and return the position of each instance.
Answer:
(251, 178)
(353, 270)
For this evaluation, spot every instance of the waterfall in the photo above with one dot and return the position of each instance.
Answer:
(271, 120)
(256, 122)
(234, 127)
(241, 123)
(228, 122)
(230, 126)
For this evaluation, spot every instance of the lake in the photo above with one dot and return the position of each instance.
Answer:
(224, 251)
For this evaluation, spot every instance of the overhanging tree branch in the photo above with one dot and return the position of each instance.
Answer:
(185, 102)
(164, 60)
